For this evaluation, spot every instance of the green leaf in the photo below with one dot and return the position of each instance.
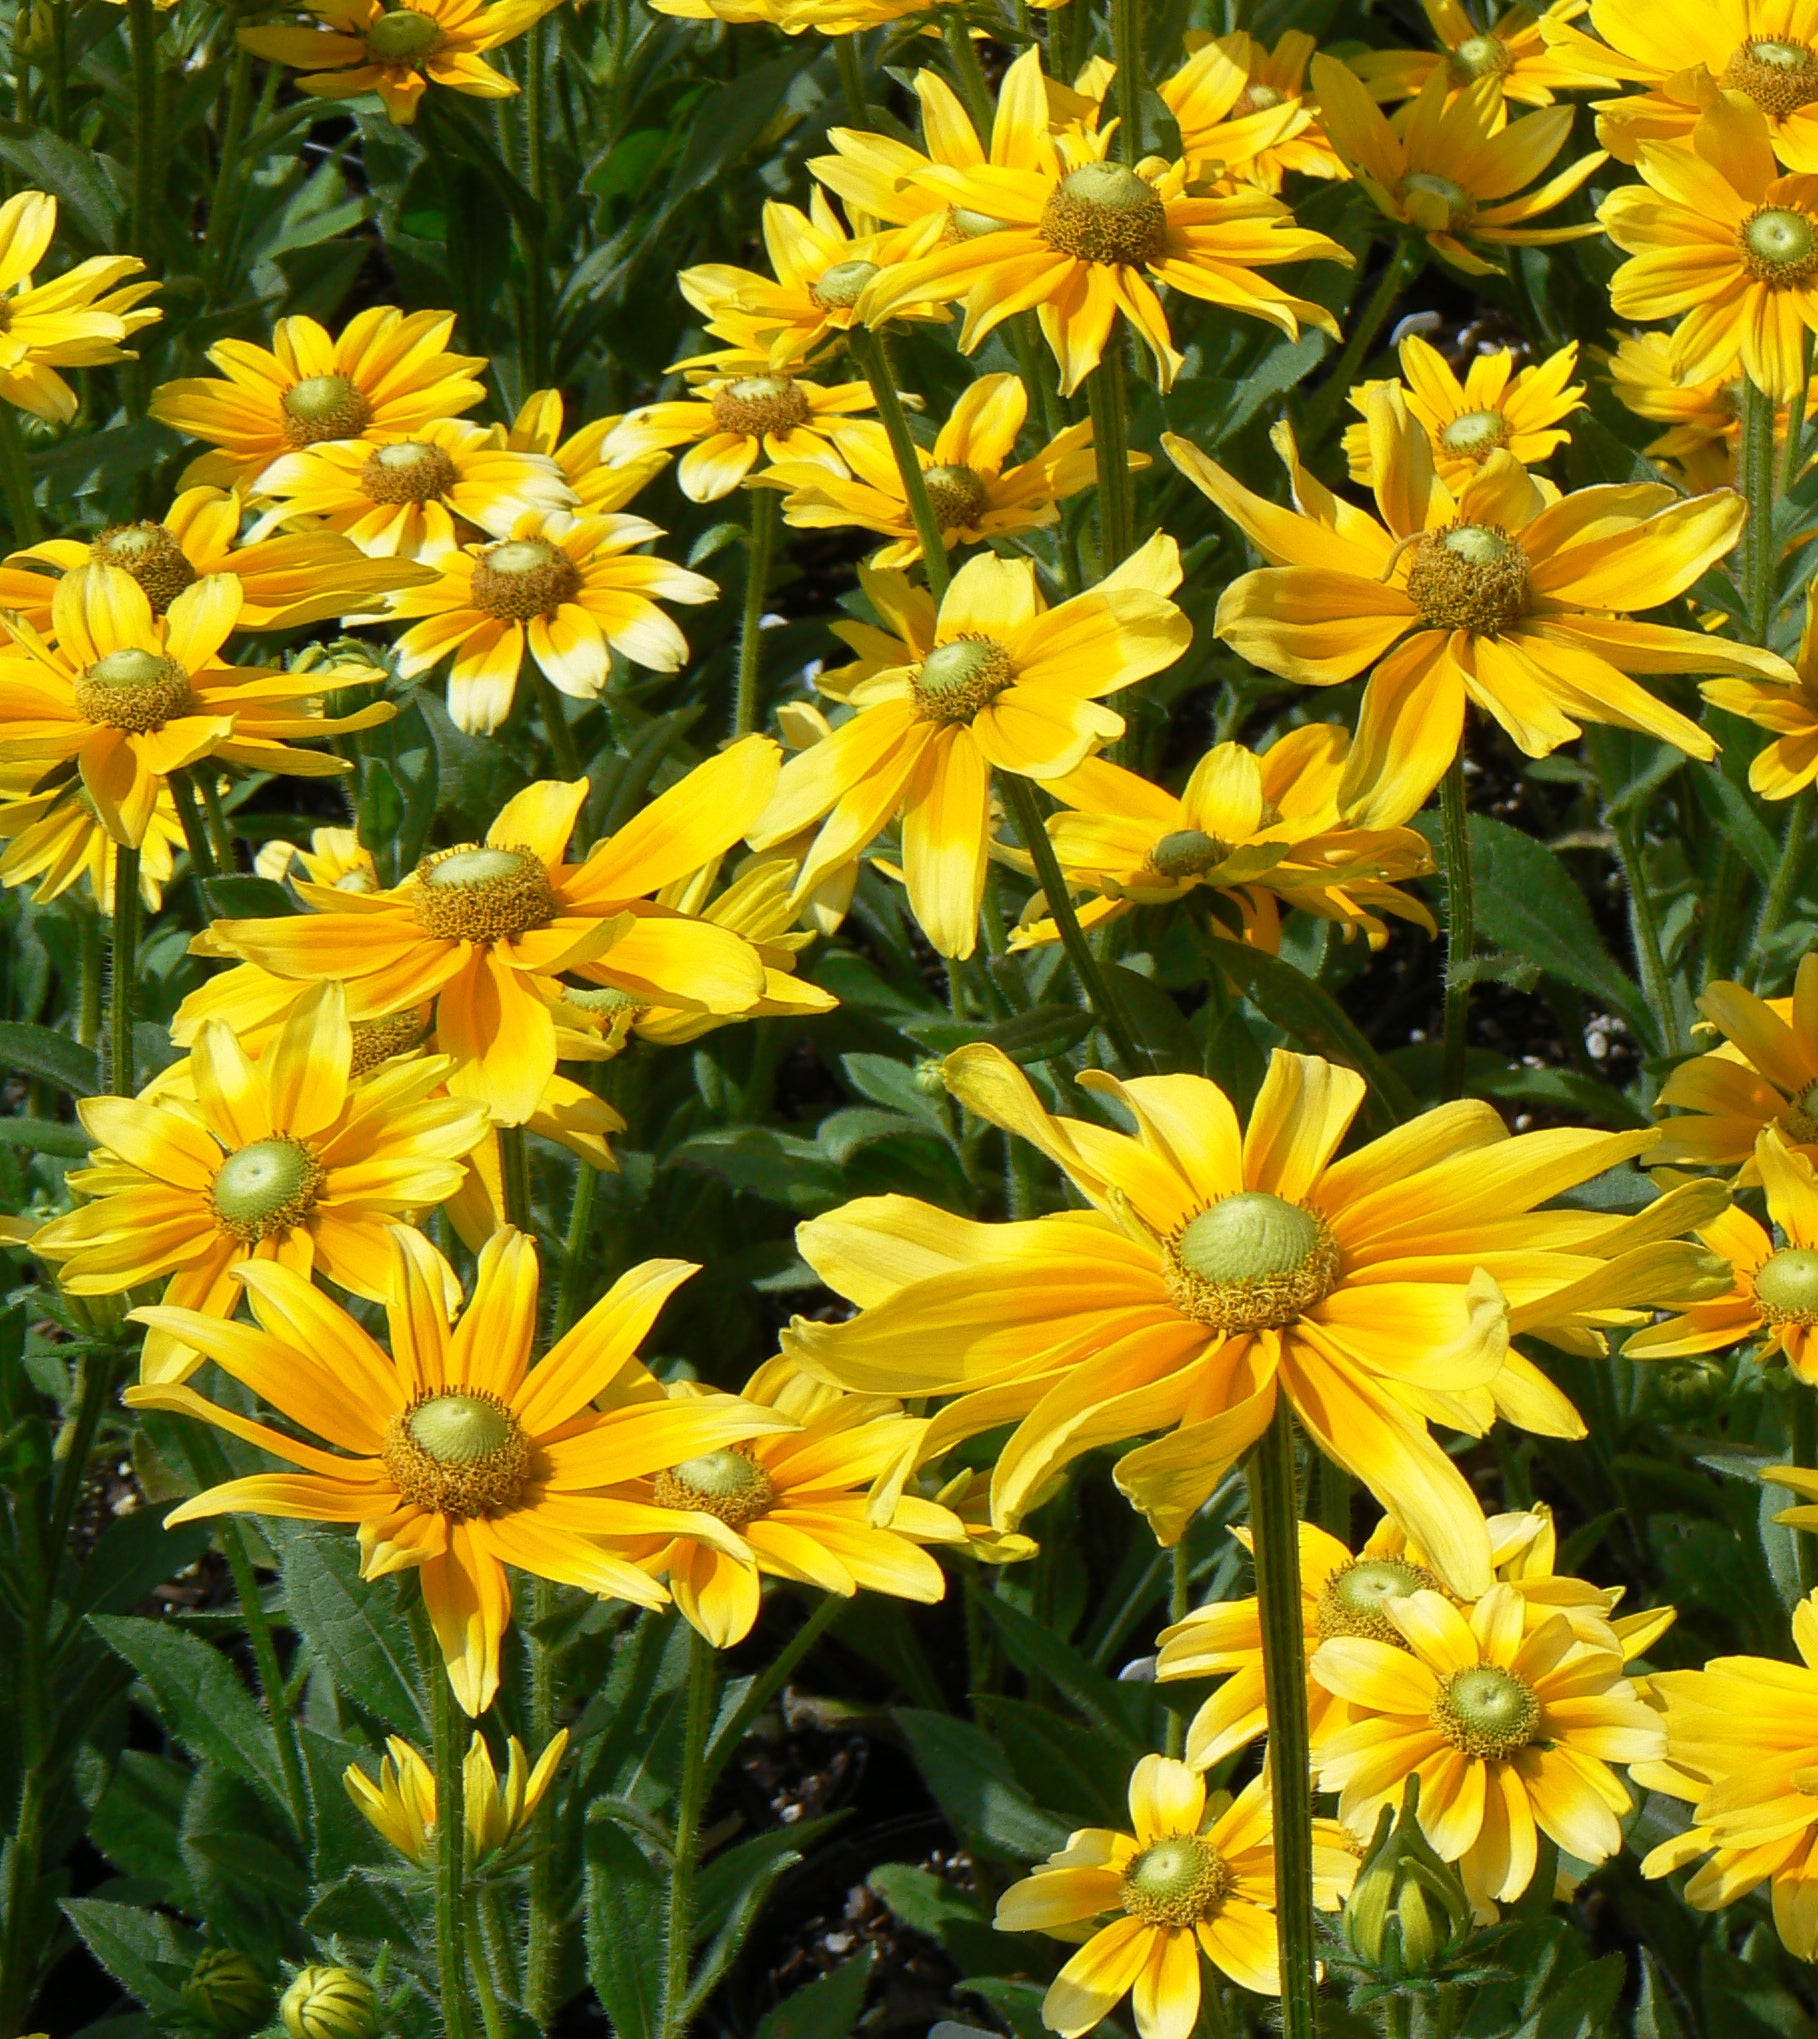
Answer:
(1160, 1027)
(139, 1949)
(243, 898)
(43, 1052)
(1037, 1035)
(724, 1881)
(355, 1626)
(1116, 1711)
(793, 1172)
(46, 1136)
(132, 1555)
(249, 1887)
(826, 2009)
(86, 183)
(977, 1788)
(372, 1912)
(1316, 1020)
(624, 1920)
(1076, 1771)
(1655, 2015)
(136, 1824)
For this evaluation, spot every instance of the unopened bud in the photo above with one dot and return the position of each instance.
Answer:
(330, 2003)
(1408, 1912)
(227, 1991)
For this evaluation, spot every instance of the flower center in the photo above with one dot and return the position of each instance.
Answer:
(1780, 77)
(1476, 435)
(1778, 245)
(1255, 99)
(842, 285)
(1187, 853)
(522, 578)
(378, 1040)
(971, 226)
(324, 407)
(729, 1484)
(1457, 200)
(460, 1454)
(483, 894)
(1175, 1882)
(958, 495)
(757, 405)
(1251, 1262)
(151, 555)
(134, 690)
(956, 680)
(1472, 577)
(402, 36)
(1486, 1711)
(1104, 212)
(1481, 56)
(1353, 1599)
(1801, 1117)
(409, 472)
(267, 1188)
(1786, 1286)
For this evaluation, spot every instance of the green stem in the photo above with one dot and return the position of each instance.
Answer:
(968, 74)
(1323, 408)
(89, 943)
(1644, 926)
(757, 585)
(678, 1933)
(1757, 479)
(1332, 1498)
(1398, 2016)
(1127, 55)
(574, 1248)
(852, 79)
(142, 36)
(189, 813)
(1784, 886)
(16, 479)
(1111, 448)
(1180, 1595)
(233, 140)
(543, 1945)
(451, 1827)
(1795, 416)
(123, 965)
(770, 1682)
(220, 834)
(868, 349)
(514, 1177)
(1461, 925)
(271, 1676)
(1803, 1448)
(484, 1987)
(563, 750)
(1019, 795)
(1274, 1527)
(25, 1847)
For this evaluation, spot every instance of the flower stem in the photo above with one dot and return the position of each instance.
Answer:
(220, 835)
(678, 1936)
(514, 1178)
(451, 1828)
(1322, 408)
(852, 78)
(1644, 928)
(543, 1945)
(1757, 479)
(1127, 55)
(757, 586)
(1180, 1599)
(1461, 925)
(563, 752)
(1108, 397)
(484, 1987)
(142, 37)
(574, 1248)
(189, 813)
(771, 1681)
(1795, 416)
(1785, 883)
(1802, 1449)
(968, 72)
(123, 964)
(271, 1674)
(1274, 1526)
(869, 351)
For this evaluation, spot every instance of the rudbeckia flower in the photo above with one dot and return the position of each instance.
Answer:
(336, 856)
(600, 486)
(1218, 1269)
(1196, 1875)
(996, 680)
(224, 1159)
(387, 376)
(483, 929)
(1720, 240)
(1511, 1730)
(1514, 54)
(1447, 168)
(1496, 408)
(1050, 223)
(454, 1454)
(1789, 764)
(1764, 1075)
(1234, 123)
(400, 1803)
(398, 52)
(975, 492)
(1494, 594)
(727, 421)
(1704, 416)
(566, 591)
(413, 498)
(58, 837)
(129, 697)
(77, 320)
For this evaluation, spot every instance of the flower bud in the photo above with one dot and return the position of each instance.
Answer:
(330, 2003)
(1408, 1912)
(227, 1992)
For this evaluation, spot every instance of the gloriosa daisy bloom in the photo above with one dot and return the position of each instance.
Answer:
(1789, 764)
(1764, 1075)
(1514, 54)
(77, 320)
(1236, 122)
(1496, 408)
(1704, 416)
(600, 485)
(400, 1803)
(58, 836)
(727, 421)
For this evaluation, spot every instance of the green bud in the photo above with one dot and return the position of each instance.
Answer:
(227, 1991)
(1408, 1912)
(330, 2003)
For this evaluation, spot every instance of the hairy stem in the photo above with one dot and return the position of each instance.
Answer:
(869, 352)
(757, 585)
(1461, 925)
(1323, 408)
(678, 1935)
(1784, 887)
(1109, 399)
(123, 965)
(451, 1828)
(1757, 478)
(514, 1178)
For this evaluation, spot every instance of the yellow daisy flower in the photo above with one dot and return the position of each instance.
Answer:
(415, 498)
(1447, 167)
(976, 494)
(387, 376)
(336, 856)
(1514, 54)
(363, 46)
(455, 1456)
(1218, 1269)
(1081, 238)
(567, 591)
(400, 1803)
(483, 929)
(1500, 594)
(76, 320)
(729, 420)
(1721, 241)
(129, 697)
(1497, 408)
(1511, 1730)
(1234, 123)
(1764, 1075)
(1789, 764)
(599, 485)
(1195, 1876)
(58, 837)
(995, 680)
(1704, 417)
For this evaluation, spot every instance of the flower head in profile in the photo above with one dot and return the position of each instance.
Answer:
(978, 489)
(400, 1803)
(729, 420)
(58, 837)
(454, 1454)
(1764, 1075)
(995, 681)
(1513, 54)
(289, 1158)
(1243, 111)
(1195, 1876)
(360, 46)
(1496, 408)
(79, 319)
(599, 484)
(1498, 593)
(1703, 417)
(1789, 764)
(1511, 1729)
(386, 376)
(1449, 168)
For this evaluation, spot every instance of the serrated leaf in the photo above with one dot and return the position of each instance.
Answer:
(133, 1946)
(355, 1627)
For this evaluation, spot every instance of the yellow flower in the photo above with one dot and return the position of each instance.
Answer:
(1243, 110)
(1513, 54)
(1789, 764)
(1218, 1269)
(730, 419)
(569, 591)
(224, 1159)
(1264, 831)
(1511, 1729)
(484, 928)
(416, 498)
(796, 17)
(129, 697)
(398, 52)
(58, 837)
(336, 856)
(1195, 1876)
(995, 680)
(1495, 594)
(1050, 223)
(384, 379)
(1446, 168)
(975, 493)
(1496, 408)
(77, 320)
(400, 1803)
(1705, 416)
(600, 485)
(1721, 241)
(1742, 1747)
(456, 1456)
(1765, 1074)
